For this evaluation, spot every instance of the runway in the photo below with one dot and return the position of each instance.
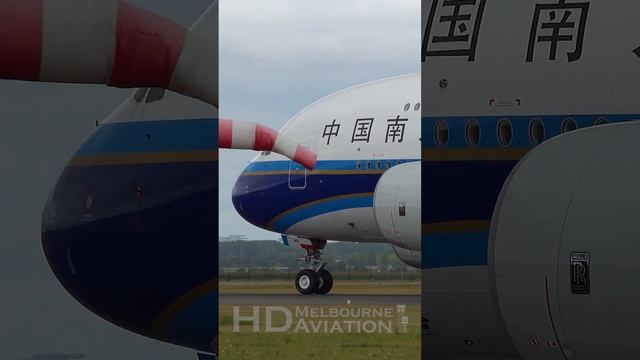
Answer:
(330, 299)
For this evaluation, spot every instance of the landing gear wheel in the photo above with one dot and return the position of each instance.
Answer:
(326, 282)
(307, 281)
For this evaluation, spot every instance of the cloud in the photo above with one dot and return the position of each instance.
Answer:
(284, 45)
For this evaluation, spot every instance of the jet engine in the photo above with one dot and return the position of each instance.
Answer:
(564, 247)
(409, 257)
(396, 204)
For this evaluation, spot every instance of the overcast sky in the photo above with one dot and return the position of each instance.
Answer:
(278, 56)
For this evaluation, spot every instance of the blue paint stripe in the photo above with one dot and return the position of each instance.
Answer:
(198, 323)
(520, 124)
(260, 207)
(283, 165)
(318, 209)
(449, 195)
(152, 136)
(458, 249)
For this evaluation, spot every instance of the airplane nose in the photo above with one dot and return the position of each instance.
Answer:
(262, 193)
(243, 197)
(252, 193)
(132, 235)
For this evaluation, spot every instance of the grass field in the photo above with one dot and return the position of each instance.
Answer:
(339, 287)
(302, 344)
(294, 345)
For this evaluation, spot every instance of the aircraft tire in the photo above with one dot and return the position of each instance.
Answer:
(326, 282)
(307, 281)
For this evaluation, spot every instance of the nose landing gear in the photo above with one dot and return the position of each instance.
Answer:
(316, 280)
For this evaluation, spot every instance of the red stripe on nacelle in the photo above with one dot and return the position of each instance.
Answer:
(265, 138)
(305, 157)
(225, 130)
(147, 48)
(20, 39)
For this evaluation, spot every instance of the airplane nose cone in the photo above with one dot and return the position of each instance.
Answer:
(251, 196)
(135, 240)
(267, 190)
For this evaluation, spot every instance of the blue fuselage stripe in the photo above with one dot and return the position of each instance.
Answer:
(323, 208)
(462, 188)
(141, 236)
(269, 197)
(152, 136)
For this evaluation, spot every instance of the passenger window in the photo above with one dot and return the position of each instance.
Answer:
(441, 133)
(505, 132)
(472, 133)
(368, 165)
(536, 131)
(568, 125)
(358, 165)
(602, 121)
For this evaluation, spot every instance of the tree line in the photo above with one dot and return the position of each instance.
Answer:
(340, 256)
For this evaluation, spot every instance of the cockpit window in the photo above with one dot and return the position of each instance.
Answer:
(155, 94)
(140, 94)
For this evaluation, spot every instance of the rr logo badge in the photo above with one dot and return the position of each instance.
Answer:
(580, 276)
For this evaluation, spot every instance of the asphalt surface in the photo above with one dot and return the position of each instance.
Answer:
(295, 299)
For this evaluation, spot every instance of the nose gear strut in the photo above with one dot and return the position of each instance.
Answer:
(315, 279)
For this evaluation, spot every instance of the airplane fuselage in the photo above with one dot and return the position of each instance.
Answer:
(358, 134)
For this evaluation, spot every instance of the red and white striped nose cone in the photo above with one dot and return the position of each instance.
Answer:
(251, 136)
(104, 42)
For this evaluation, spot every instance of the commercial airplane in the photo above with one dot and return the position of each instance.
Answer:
(130, 228)
(530, 254)
(365, 186)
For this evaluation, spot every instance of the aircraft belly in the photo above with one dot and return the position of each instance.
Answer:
(357, 224)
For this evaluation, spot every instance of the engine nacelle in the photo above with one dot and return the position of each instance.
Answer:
(564, 247)
(396, 204)
(409, 257)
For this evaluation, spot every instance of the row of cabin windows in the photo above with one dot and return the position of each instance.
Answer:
(504, 131)
(377, 164)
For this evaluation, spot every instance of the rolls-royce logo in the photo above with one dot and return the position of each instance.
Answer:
(580, 276)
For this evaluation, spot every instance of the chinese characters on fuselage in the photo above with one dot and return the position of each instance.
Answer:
(362, 130)
(453, 28)
(330, 130)
(363, 127)
(558, 23)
